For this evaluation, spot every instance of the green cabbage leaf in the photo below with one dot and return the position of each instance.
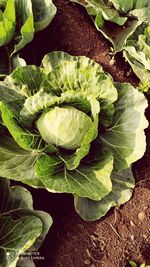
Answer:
(137, 54)
(122, 186)
(21, 227)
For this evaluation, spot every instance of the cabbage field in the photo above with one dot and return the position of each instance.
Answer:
(74, 133)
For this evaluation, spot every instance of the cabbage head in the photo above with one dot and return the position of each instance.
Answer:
(67, 127)
(117, 19)
(64, 126)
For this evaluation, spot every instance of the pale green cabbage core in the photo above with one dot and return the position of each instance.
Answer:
(64, 126)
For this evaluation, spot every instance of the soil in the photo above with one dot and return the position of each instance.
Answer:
(124, 233)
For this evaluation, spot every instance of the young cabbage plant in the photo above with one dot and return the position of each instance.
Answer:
(21, 227)
(137, 54)
(117, 19)
(70, 128)
(19, 20)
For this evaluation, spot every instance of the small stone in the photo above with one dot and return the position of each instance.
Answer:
(145, 236)
(87, 262)
(129, 72)
(132, 237)
(112, 61)
(132, 223)
(141, 216)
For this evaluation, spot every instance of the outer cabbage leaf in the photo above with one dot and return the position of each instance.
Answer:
(26, 22)
(137, 53)
(125, 137)
(43, 12)
(122, 187)
(17, 163)
(21, 226)
(123, 6)
(9, 95)
(117, 20)
(88, 180)
(7, 22)
(26, 80)
(27, 140)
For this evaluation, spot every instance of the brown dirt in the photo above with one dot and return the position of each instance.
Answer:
(124, 233)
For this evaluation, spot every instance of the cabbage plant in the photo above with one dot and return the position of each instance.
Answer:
(117, 19)
(137, 53)
(21, 227)
(70, 128)
(19, 20)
